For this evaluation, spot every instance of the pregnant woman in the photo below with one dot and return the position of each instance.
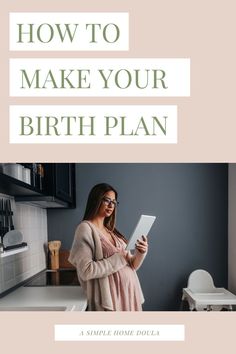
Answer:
(106, 271)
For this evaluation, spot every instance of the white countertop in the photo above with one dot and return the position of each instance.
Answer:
(45, 298)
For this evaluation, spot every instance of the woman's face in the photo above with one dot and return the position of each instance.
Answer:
(107, 206)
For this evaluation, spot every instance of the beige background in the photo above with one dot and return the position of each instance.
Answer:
(208, 332)
(201, 30)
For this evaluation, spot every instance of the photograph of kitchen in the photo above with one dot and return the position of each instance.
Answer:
(190, 262)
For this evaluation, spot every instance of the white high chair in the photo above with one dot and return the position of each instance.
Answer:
(201, 293)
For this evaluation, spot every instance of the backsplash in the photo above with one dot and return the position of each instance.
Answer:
(32, 223)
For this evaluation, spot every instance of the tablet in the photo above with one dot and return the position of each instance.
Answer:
(142, 228)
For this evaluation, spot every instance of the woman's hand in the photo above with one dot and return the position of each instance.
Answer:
(142, 244)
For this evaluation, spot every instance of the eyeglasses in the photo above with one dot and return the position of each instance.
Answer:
(109, 201)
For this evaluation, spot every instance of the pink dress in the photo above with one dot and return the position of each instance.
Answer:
(125, 289)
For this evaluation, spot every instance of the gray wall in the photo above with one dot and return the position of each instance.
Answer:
(232, 229)
(190, 202)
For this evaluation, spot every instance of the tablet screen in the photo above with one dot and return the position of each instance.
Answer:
(142, 228)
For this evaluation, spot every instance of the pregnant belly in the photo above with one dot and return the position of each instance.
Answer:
(126, 278)
(125, 290)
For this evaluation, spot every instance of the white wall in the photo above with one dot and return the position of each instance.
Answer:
(32, 222)
(232, 228)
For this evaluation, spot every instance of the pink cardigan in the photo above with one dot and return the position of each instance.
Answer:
(93, 270)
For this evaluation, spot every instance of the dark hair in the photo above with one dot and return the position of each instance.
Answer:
(93, 204)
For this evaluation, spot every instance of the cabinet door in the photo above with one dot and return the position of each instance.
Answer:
(65, 182)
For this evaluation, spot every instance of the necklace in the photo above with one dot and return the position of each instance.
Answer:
(109, 235)
(107, 230)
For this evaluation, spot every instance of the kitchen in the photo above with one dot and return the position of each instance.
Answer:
(28, 189)
(194, 204)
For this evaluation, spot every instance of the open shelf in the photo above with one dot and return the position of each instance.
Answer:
(14, 251)
(58, 187)
(15, 187)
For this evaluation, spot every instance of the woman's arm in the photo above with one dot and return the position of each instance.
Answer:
(135, 260)
(82, 257)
